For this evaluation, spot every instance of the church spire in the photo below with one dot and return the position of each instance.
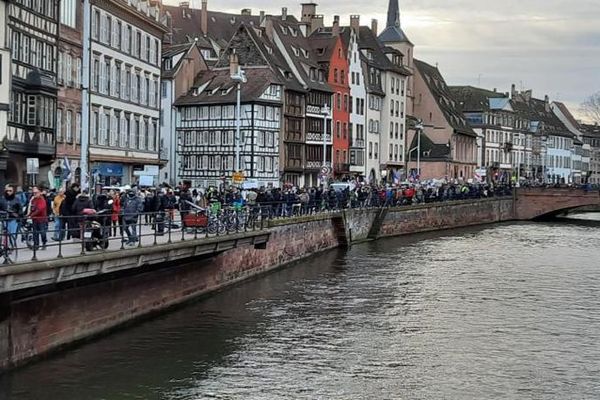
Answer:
(393, 16)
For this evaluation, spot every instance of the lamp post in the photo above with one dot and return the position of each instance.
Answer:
(544, 155)
(325, 110)
(419, 128)
(240, 77)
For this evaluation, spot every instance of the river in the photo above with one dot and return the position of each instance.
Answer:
(497, 312)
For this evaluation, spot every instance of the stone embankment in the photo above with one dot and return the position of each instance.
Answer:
(51, 304)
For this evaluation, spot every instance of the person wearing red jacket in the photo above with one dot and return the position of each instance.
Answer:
(38, 212)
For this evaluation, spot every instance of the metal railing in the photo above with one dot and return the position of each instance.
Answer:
(65, 236)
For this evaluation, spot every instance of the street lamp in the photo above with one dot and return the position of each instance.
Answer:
(325, 111)
(419, 128)
(240, 77)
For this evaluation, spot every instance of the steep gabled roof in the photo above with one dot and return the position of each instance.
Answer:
(565, 111)
(253, 48)
(444, 98)
(299, 52)
(185, 23)
(542, 118)
(171, 51)
(218, 87)
(472, 99)
(431, 151)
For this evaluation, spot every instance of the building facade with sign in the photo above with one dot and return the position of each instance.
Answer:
(32, 31)
(124, 89)
(65, 168)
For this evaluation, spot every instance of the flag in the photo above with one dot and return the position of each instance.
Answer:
(66, 175)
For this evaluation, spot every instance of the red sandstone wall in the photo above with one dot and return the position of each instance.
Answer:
(43, 323)
(403, 221)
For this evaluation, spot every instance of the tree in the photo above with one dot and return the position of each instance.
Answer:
(591, 107)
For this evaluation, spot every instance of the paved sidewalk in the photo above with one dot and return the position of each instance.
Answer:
(72, 248)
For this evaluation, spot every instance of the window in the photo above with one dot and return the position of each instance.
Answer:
(59, 133)
(156, 52)
(78, 128)
(335, 75)
(149, 56)
(338, 129)
(117, 35)
(117, 80)
(138, 44)
(343, 77)
(68, 12)
(94, 128)
(69, 126)
(96, 25)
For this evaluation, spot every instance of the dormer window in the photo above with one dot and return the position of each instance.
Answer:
(313, 74)
(296, 51)
(284, 30)
(305, 53)
(294, 32)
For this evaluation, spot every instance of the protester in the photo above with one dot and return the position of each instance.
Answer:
(38, 212)
(58, 220)
(132, 207)
(10, 204)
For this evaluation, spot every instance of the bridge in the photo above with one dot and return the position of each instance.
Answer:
(538, 203)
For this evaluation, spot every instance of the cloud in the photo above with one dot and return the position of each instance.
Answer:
(551, 46)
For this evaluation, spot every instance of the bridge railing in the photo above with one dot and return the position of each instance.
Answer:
(26, 240)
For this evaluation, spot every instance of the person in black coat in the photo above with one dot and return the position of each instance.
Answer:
(66, 210)
(82, 202)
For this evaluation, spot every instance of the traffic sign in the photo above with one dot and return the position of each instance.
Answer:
(238, 178)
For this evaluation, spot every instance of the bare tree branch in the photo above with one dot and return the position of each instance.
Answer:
(591, 107)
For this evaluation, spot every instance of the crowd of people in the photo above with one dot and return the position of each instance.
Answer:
(123, 207)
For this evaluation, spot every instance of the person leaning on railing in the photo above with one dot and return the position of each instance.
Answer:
(10, 204)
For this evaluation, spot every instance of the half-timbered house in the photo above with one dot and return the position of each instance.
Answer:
(206, 117)
(32, 29)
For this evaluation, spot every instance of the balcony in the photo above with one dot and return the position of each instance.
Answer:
(318, 137)
(293, 164)
(311, 164)
(358, 143)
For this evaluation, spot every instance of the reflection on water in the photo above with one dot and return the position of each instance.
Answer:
(505, 311)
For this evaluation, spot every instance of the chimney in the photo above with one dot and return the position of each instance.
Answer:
(308, 12)
(374, 26)
(184, 4)
(547, 103)
(246, 11)
(335, 30)
(284, 13)
(316, 23)
(355, 23)
(262, 18)
(234, 64)
(204, 17)
(495, 90)
(513, 91)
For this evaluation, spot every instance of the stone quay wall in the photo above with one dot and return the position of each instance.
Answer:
(439, 216)
(70, 306)
(40, 323)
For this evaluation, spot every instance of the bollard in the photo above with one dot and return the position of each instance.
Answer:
(122, 229)
(60, 239)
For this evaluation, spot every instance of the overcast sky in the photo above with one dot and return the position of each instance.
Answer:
(550, 46)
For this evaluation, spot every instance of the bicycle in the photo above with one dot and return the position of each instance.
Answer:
(8, 248)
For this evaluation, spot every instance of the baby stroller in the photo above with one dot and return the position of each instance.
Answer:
(196, 219)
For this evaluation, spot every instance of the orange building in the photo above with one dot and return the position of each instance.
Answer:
(332, 55)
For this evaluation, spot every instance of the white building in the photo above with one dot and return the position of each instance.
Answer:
(180, 66)
(124, 91)
(393, 138)
(358, 96)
